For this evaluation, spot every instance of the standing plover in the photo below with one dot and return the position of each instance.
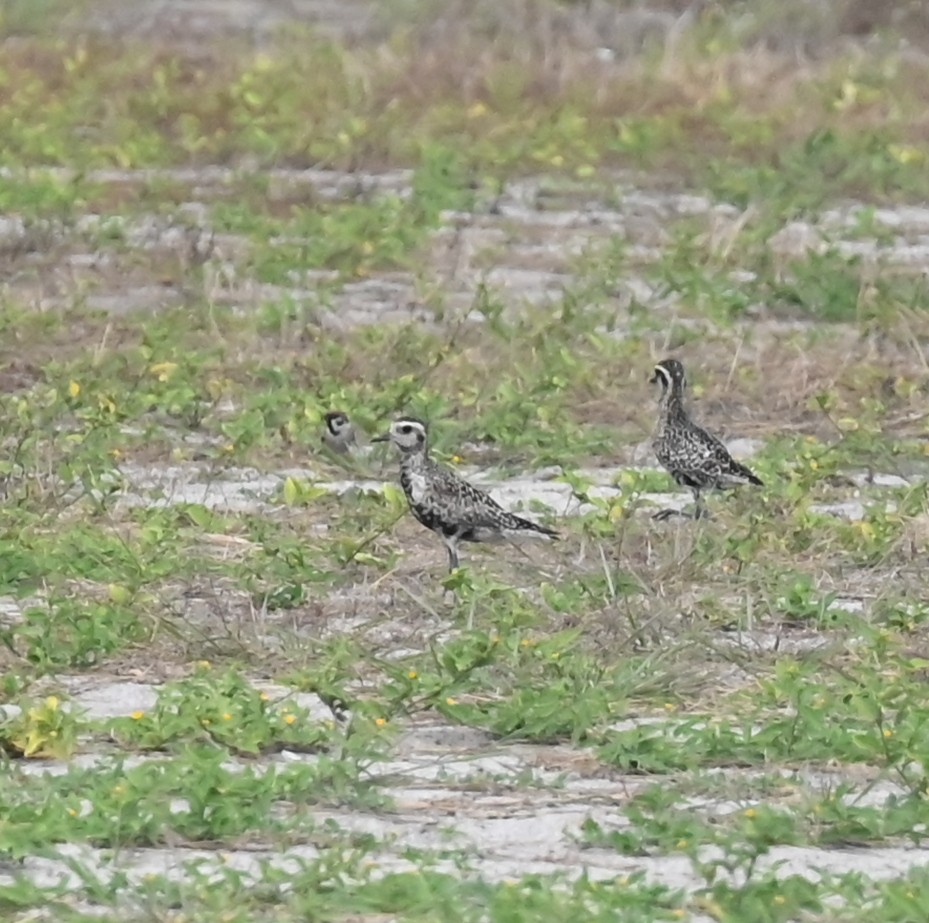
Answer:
(692, 456)
(444, 502)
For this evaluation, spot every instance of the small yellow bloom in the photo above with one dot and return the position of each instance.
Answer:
(457, 459)
(163, 370)
(119, 789)
(380, 722)
(682, 844)
(888, 732)
(451, 700)
(476, 110)
(263, 696)
(227, 716)
(750, 813)
(847, 96)
(289, 719)
(204, 664)
(669, 706)
(412, 674)
(780, 899)
(905, 153)
(52, 703)
(116, 454)
(263, 62)
(228, 448)
(72, 812)
(205, 722)
(74, 388)
(137, 715)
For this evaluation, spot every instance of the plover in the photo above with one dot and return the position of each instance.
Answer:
(338, 432)
(447, 504)
(692, 456)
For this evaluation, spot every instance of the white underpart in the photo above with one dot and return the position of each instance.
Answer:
(519, 535)
(417, 487)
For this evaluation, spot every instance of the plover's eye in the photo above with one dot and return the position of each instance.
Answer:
(406, 428)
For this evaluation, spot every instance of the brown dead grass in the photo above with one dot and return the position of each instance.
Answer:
(523, 61)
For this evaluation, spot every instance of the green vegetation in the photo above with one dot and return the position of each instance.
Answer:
(181, 306)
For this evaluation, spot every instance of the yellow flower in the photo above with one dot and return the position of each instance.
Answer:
(412, 674)
(905, 153)
(669, 706)
(74, 388)
(52, 703)
(263, 62)
(137, 715)
(780, 899)
(72, 812)
(476, 110)
(451, 700)
(380, 722)
(456, 459)
(227, 716)
(163, 370)
(263, 696)
(888, 732)
(750, 813)
(682, 844)
(204, 664)
(289, 719)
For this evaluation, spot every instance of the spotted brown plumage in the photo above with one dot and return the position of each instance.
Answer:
(447, 504)
(692, 456)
